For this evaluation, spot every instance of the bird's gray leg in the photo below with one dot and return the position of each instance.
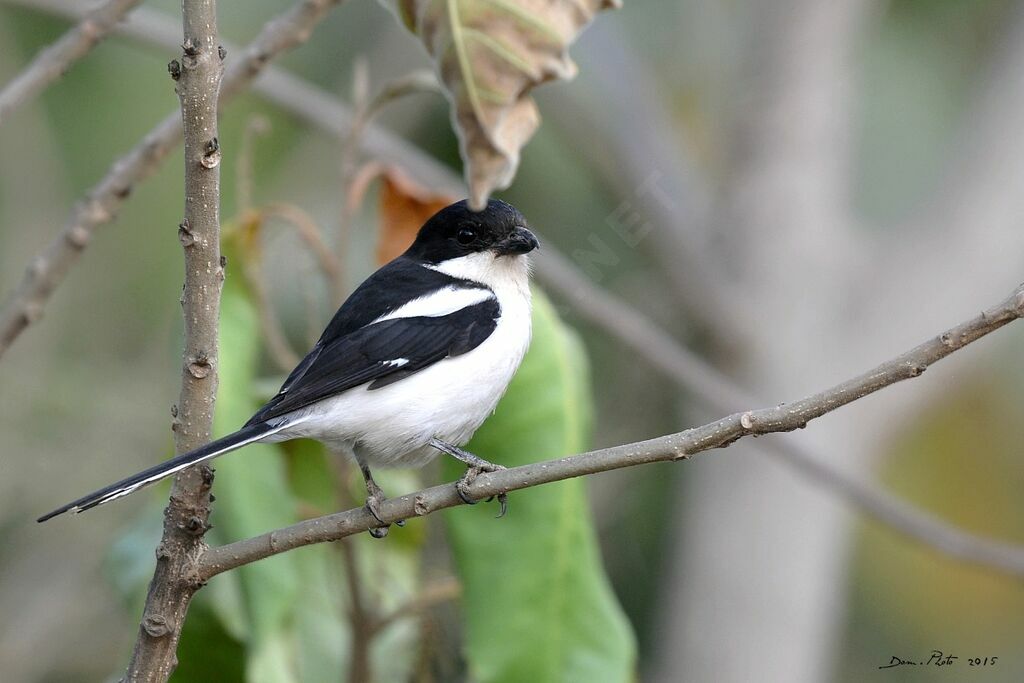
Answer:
(474, 466)
(374, 497)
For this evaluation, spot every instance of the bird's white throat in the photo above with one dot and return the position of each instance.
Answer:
(507, 276)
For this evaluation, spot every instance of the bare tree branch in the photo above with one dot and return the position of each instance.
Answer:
(25, 305)
(784, 221)
(54, 61)
(619, 320)
(199, 74)
(431, 595)
(186, 518)
(710, 385)
(718, 434)
(101, 205)
(720, 393)
(310, 103)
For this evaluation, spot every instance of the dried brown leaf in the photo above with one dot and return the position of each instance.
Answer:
(404, 207)
(489, 55)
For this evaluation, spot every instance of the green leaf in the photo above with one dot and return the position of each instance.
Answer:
(389, 575)
(537, 604)
(207, 653)
(211, 647)
(322, 630)
(253, 495)
(294, 603)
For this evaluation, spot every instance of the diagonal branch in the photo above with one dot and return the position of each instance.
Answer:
(101, 205)
(54, 61)
(713, 388)
(308, 102)
(325, 111)
(689, 370)
(680, 446)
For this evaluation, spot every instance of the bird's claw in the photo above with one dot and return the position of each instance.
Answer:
(472, 472)
(373, 502)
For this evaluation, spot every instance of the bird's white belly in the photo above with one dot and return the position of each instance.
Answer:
(448, 400)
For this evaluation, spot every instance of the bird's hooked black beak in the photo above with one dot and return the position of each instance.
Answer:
(520, 241)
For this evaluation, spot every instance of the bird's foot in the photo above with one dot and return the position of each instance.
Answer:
(373, 503)
(475, 467)
(472, 472)
(375, 497)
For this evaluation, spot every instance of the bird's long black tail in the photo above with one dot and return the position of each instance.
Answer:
(246, 435)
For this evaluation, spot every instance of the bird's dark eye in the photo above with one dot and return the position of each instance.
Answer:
(466, 236)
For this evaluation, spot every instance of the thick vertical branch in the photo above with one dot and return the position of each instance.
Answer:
(198, 76)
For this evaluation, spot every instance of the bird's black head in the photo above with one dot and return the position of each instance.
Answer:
(457, 231)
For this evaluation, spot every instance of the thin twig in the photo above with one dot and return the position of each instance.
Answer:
(277, 343)
(311, 234)
(255, 126)
(349, 164)
(55, 60)
(361, 618)
(436, 593)
(364, 110)
(186, 518)
(308, 102)
(101, 205)
(362, 615)
(252, 269)
(718, 434)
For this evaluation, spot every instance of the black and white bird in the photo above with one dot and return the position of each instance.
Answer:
(412, 363)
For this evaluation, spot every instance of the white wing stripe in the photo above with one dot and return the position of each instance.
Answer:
(438, 303)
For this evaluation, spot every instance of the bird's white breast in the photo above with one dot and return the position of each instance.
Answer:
(448, 400)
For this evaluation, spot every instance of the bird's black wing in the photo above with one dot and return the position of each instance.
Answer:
(394, 285)
(381, 354)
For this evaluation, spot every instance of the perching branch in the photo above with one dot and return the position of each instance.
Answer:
(680, 446)
(101, 205)
(55, 60)
(325, 111)
(198, 76)
(690, 371)
(720, 393)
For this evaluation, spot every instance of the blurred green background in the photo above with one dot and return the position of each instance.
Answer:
(851, 172)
